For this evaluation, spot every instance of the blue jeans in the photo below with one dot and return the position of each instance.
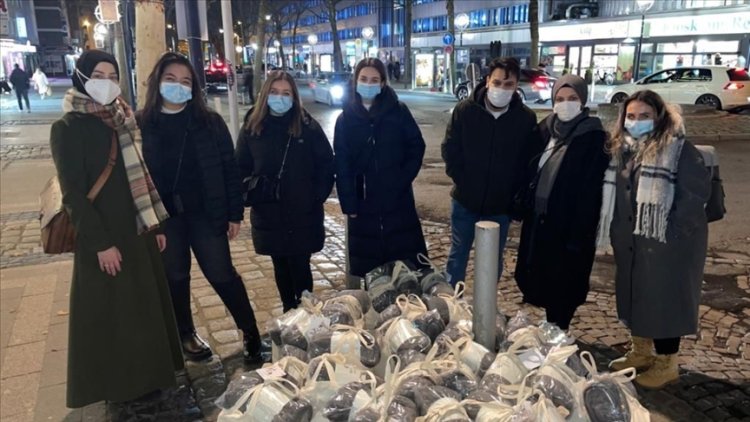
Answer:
(462, 238)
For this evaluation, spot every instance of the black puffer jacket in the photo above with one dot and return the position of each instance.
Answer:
(220, 186)
(293, 226)
(487, 157)
(378, 156)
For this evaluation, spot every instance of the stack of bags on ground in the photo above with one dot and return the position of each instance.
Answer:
(403, 351)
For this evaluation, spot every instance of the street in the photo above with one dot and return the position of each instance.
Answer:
(715, 365)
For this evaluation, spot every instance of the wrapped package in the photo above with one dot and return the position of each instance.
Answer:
(430, 323)
(494, 411)
(558, 383)
(354, 343)
(425, 397)
(380, 286)
(344, 310)
(459, 380)
(401, 409)
(611, 396)
(446, 409)
(368, 414)
(295, 370)
(261, 403)
(520, 320)
(237, 387)
(475, 398)
(292, 336)
(330, 373)
(392, 311)
(411, 306)
(406, 280)
(297, 409)
(500, 328)
(439, 305)
(410, 356)
(400, 334)
(298, 317)
(360, 295)
(544, 410)
(433, 279)
(409, 385)
(292, 351)
(339, 407)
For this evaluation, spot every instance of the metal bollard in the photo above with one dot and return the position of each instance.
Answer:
(487, 249)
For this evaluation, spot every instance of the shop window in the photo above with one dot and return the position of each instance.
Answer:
(647, 48)
(703, 46)
(678, 47)
(605, 49)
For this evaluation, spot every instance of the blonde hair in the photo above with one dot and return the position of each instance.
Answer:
(260, 111)
(667, 124)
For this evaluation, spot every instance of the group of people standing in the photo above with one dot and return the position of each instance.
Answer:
(130, 296)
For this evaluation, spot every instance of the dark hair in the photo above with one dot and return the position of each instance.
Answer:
(154, 101)
(369, 62)
(667, 122)
(509, 64)
(260, 111)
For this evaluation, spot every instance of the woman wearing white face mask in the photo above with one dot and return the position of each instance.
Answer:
(286, 162)
(123, 341)
(562, 206)
(191, 155)
(654, 196)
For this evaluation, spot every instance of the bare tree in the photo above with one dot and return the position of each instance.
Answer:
(328, 11)
(260, 52)
(408, 4)
(534, 28)
(280, 17)
(296, 11)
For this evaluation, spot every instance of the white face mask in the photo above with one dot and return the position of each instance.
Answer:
(567, 110)
(499, 97)
(103, 91)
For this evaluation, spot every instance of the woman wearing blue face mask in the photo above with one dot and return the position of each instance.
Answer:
(379, 150)
(287, 163)
(558, 240)
(191, 156)
(654, 195)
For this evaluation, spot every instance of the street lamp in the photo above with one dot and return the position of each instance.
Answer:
(367, 34)
(312, 39)
(643, 7)
(461, 22)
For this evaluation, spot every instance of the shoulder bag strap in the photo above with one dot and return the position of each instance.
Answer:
(107, 170)
(283, 160)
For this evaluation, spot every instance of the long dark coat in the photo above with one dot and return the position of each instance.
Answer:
(220, 187)
(378, 156)
(123, 340)
(293, 226)
(659, 284)
(557, 249)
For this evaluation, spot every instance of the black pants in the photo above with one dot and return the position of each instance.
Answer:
(561, 316)
(293, 276)
(23, 94)
(194, 231)
(667, 346)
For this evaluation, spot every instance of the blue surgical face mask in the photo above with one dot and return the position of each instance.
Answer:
(175, 93)
(368, 91)
(279, 104)
(639, 128)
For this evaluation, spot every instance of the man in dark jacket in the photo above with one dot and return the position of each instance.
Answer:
(20, 80)
(489, 143)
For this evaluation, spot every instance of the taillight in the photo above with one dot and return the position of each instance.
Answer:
(541, 83)
(732, 86)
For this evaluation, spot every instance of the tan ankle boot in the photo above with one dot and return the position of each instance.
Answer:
(663, 372)
(640, 356)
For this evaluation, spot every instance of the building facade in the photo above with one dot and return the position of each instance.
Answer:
(18, 36)
(576, 36)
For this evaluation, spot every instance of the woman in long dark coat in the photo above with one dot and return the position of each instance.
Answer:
(281, 140)
(190, 153)
(123, 339)
(558, 239)
(653, 209)
(379, 150)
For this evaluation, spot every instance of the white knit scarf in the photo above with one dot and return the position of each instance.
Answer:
(654, 194)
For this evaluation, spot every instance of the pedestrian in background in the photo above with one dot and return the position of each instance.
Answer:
(41, 83)
(654, 195)
(287, 161)
(558, 239)
(249, 84)
(191, 155)
(379, 150)
(20, 80)
(489, 143)
(123, 340)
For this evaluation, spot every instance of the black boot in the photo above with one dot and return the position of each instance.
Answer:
(195, 348)
(251, 349)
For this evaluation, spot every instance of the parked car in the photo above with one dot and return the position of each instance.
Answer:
(721, 87)
(216, 72)
(330, 88)
(535, 85)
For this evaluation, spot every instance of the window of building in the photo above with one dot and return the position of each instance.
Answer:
(605, 49)
(679, 47)
(703, 46)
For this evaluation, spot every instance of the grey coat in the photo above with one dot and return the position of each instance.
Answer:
(658, 284)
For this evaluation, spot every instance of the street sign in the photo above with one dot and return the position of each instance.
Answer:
(448, 38)
(448, 49)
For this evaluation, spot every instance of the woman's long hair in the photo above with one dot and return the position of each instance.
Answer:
(260, 111)
(154, 101)
(369, 62)
(667, 124)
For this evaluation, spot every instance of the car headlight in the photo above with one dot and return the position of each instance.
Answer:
(337, 91)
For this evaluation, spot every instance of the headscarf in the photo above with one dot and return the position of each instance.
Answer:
(563, 130)
(86, 64)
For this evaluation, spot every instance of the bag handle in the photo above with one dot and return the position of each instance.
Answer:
(94, 192)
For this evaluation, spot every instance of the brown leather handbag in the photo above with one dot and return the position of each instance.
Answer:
(58, 232)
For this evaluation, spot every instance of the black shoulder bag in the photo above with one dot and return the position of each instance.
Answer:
(262, 189)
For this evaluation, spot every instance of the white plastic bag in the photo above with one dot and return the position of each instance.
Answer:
(618, 382)
(260, 403)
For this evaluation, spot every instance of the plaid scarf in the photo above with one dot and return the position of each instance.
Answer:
(654, 196)
(149, 209)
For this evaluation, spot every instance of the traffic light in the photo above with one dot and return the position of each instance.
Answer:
(496, 49)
